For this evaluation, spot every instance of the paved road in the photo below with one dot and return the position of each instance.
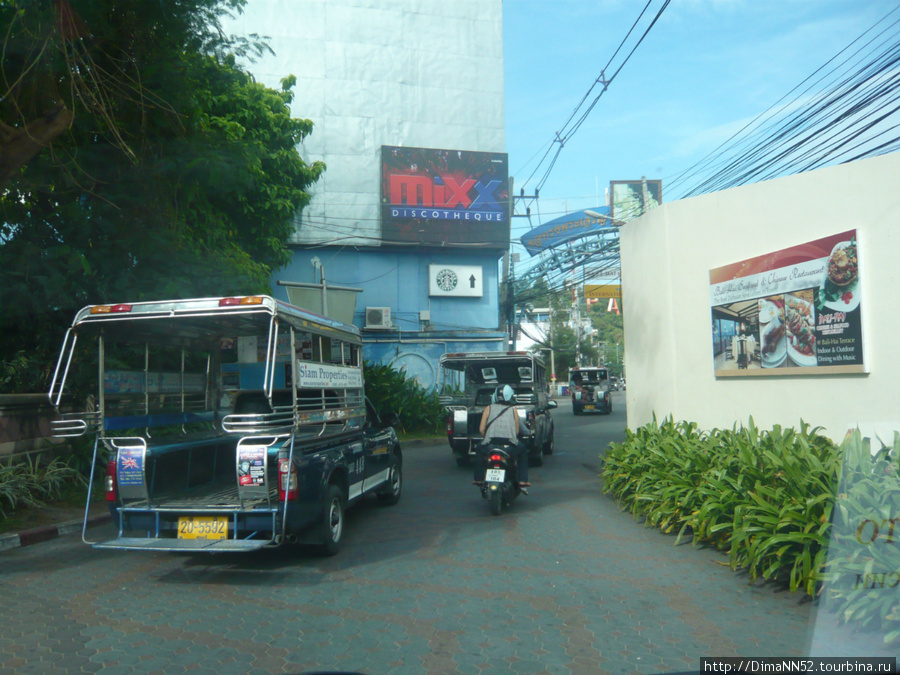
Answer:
(563, 582)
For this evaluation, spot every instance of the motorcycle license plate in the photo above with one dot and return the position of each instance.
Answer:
(203, 527)
(495, 475)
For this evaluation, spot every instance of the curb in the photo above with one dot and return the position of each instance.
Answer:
(47, 532)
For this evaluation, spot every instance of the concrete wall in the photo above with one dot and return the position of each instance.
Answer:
(25, 427)
(666, 258)
(379, 72)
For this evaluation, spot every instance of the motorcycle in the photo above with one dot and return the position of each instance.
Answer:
(501, 479)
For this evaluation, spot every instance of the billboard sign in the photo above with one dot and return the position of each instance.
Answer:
(444, 197)
(792, 312)
(458, 281)
(565, 228)
(628, 200)
(593, 291)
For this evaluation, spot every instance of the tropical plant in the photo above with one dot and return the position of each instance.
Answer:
(393, 391)
(174, 175)
(764, 497)
(31, 483)
(784, 504)
(863, 569)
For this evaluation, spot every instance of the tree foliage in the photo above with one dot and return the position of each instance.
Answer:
(177, 174)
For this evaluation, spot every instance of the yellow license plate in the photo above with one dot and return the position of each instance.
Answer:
(588, 407)
(203, 527)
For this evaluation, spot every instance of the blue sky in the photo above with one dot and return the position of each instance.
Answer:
(705, 69)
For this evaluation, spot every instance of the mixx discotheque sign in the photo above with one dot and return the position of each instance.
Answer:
(794, 311)
(444, 197)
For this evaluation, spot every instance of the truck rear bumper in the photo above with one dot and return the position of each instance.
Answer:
(248, 530)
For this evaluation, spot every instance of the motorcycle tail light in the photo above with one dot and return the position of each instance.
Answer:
(496, 458)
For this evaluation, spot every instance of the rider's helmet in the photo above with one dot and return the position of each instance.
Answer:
(504, 394)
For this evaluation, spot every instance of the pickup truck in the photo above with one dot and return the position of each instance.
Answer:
(590, 390)
(226, 424)
(468, 380)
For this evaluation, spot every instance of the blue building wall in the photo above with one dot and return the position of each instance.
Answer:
(398, 279)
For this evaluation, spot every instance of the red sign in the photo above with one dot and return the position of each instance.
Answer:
(444, 197)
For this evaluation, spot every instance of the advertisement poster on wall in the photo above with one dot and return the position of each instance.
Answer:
(444, 197)
(632, 198)
(796, 311)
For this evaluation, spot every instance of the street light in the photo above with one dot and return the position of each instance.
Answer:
(594, 214)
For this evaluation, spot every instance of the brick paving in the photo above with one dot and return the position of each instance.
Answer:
(562, 583)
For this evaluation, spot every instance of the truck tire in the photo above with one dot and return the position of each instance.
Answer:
(395, 483)
(548, 444)
(331, 527)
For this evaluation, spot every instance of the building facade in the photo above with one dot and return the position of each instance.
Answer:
(376, 74)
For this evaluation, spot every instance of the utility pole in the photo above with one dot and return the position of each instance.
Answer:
(576, 308)
(552, 357)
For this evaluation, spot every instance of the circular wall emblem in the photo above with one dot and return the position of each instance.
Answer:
(446, 280)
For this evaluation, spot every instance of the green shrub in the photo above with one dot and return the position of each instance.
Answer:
(863, 570)
(390, 390)
(784, 504)
(29, 483)
(764, 497)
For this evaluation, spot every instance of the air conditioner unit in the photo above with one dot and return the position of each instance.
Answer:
(378, 317)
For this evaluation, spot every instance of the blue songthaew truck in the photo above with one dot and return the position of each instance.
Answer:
(224, 424)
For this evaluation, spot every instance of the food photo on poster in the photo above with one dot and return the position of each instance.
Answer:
(793, 311)
(773, 345)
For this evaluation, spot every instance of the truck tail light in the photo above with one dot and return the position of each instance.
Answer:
(450, 425)
(111, 491)
(110, 309)
(236, 302)
(287, 480)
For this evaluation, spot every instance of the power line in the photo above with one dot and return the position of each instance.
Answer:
(848, 119)
(569, 128)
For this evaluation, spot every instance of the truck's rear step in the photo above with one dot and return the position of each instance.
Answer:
(185, 545)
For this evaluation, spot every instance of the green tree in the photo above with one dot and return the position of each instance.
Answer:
(175, 175)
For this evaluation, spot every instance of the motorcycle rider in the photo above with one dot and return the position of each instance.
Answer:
(501, 420)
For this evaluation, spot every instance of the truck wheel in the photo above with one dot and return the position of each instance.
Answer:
(395, 483)
(548, 444)
(575, 409)
(536, 459)
(459, 446)
(331, 528)
(462, 461)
